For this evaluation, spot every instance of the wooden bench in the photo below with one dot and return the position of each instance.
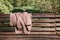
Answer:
(42, 23)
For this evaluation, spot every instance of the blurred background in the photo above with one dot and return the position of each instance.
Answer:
(31, 6)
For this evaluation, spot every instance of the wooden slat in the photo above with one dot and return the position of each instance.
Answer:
(43, 33)
(4, 24)
(58, 28)
(4, 15)
(24, 37)
(7, 29)
(47, 24)
(37, 24)
(43, 15)
(44, 24)
(37, 29)
(4, 20)
(34, 15)
(43, 29)
(57, 20)
(58, 33)
(57, 16)
(44, 20)
(31, 33)
(57, 24)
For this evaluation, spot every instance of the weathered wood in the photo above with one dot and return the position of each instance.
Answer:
(57, 16)
(7, 29)
(30, 33)
(34, 15)
(50, 20)
(57, 20)
(44, 24)
(43, 32)
(37, 29)
(44, 20)
(43, 15)
(38, 24)
(4, 21)
(4, 24)
(29, 36)
(4, 15)
(43, 29)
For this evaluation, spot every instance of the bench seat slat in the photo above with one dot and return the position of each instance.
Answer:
(31, 33)
(43, 33)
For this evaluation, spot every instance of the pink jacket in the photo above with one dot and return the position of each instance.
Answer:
(22, 21)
